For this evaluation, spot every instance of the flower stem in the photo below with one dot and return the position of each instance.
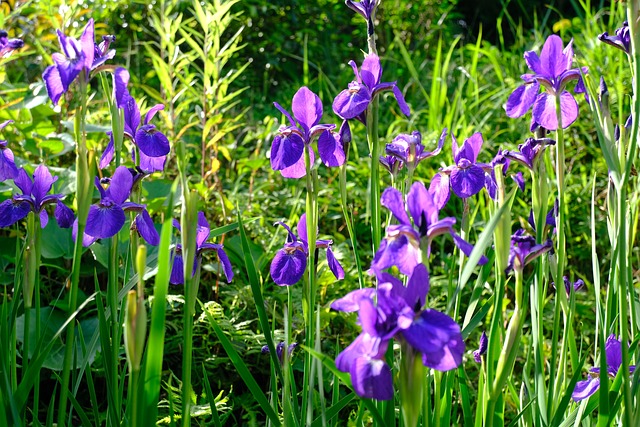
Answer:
(374, 178)
(83, 200)
(347, 217)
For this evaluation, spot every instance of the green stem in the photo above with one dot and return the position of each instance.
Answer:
(347, 216)
(83, 200)
(309, 295)
(412, 376)
(112, 298)
(374, 179)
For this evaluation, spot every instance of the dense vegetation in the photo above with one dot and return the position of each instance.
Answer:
(217, 67)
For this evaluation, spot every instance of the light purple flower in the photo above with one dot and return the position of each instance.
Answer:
(8, 45)
(290, 262)
(202, 234)
(35, 198)
(621, 40)
(401, 246)
(280, 350)
(409, 149)
(552, 70)
(287, 148)
(393, 311)
(8, 169)
(613, 353)
(577, 286)
(466, 177)
(78, 58)
(352, 103)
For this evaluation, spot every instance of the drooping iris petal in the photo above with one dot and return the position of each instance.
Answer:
(521, 100)
(226, 264)
(331, 149)
(397, 93)
(105, 221)
(371, 378)
(307, 108)
(151, 141)
(64, 215)
(544, 110)
(438, 338)
(13, 211)
(152, 112)
(145, 227)
(68, 69)
(177, 273)
(152, 164)
(108, 153)
(298, 169)
(53, 83)
(466, 182)
(288, 266)
(334, 265)
(585, 389)
(400, 249)
(286, 150)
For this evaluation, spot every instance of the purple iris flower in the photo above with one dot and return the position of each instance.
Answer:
(402, 244)
(290, 262)
(107, 217)
(352, 103)
(409, 149)
(552, 69)
(391, 164)
(280, 350)
(621, 40)
(613, 352)
(8, 45)
(482, 349)
(466, 177)
(77, 56)
(393, 311)
(202, 234)
(577, 286)
(287, 148)
(8, 169)
(529, 152)
(524, 250)
(35, 198)
(153, 144)
(490, 182)
(365, 8)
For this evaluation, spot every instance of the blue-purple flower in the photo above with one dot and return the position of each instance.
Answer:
(621, 39)
(280, 350)
(552, 70)
(202, 234)
(482, 348)
(153, 145)
(393, 311)
(352, 103)
(466, 177)
(78, 56)
(8, 45)
(34, 198)
(107, 217)
(290, 262)
(409, 149)
(524, 249)
(8, 169)
(402, 245)
(577, 286)
(613, 353)
(529, 152)
(287, 148)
